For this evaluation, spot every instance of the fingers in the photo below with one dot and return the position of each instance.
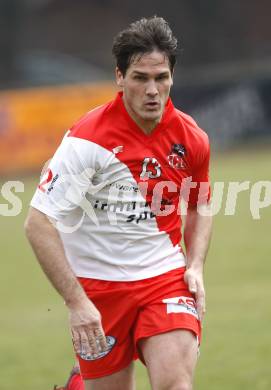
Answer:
(100, 339)
(76, 342)
(192, 285)
(89, 343)
(195, 286)
(200, 302)
(93, 346)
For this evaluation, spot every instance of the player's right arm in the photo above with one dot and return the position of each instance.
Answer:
(85, 320)
(63, 184)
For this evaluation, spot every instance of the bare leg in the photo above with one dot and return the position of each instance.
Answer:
(171, 359)
(122, 380)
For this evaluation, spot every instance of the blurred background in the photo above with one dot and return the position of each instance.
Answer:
(56, 64)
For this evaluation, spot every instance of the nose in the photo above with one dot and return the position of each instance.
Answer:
(151, 89)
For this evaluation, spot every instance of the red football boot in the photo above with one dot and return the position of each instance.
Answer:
(75, 381)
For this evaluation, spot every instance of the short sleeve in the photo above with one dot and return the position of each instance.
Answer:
(201, 191)
(66, 180)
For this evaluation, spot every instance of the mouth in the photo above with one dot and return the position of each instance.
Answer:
(152, 105)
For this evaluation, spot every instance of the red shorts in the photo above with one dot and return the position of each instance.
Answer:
(135, 310)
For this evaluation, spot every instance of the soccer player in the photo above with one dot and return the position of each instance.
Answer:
(105, 223)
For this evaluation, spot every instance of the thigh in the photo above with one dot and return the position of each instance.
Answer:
(122, 380)
(170, 359)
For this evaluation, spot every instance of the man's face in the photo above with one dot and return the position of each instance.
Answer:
(146, 86)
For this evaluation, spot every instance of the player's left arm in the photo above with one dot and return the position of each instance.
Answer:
(197, 235)
(198, 225)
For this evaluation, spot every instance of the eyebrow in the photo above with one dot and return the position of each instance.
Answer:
(146, 74)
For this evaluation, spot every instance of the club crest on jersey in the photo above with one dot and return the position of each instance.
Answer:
(110, 340)
(176, 158)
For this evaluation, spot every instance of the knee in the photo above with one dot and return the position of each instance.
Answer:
(180, 384)
(183, 386)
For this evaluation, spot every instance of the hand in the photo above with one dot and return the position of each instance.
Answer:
(86, 328)
(194, 281)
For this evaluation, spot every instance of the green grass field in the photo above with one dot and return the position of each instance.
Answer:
(36, 351)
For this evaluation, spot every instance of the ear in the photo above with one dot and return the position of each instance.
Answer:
(119, 77)
(172, 77)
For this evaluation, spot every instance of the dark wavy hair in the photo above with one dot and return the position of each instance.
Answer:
(144, 36)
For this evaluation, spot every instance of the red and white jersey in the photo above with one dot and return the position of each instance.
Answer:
(114, 191)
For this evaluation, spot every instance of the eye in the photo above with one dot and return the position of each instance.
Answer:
(139, 77)
(162, 77)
